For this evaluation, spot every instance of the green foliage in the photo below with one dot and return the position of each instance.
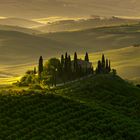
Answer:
(35, 86)
(57, 71)
(99, 107)
(28, 79)
(104, 66)
(52, 70)
(52, 65)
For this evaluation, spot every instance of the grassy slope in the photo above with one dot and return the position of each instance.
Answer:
(19, 22)
(19, 29)
(74, 25)
(101, 107)
(99, 39)
(26, 47)
(124, 60)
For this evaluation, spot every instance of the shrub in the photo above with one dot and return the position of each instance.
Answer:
(35, 86)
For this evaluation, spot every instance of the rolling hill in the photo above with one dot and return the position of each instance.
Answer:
(26, 23)
(19, 29)
(100, 107)
(99, 39)
(82, 24)
(20, 51)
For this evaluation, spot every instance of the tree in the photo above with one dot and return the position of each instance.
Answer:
(40, 66)
(75, 62)
(99, 67)
(35, 70)
(69, 67)
(52, 67)
(92, 70)
(66, 63)
(103, 61)
(62, 61)
(107, 66)
(86, 57)
(114, 72)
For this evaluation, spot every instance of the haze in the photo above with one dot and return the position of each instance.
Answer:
(68, 8)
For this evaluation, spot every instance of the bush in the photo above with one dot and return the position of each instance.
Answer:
(35, 86)
(138, 85)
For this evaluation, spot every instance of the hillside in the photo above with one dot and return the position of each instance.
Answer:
(82, 24)
(19, 29)
(20, 51)
(100, 107)
(99, 39)
(26, 23)
(124, 60)
(26, 47)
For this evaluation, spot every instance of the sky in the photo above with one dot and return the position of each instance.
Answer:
(33, 9)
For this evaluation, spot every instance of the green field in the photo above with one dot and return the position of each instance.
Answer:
(102, 107)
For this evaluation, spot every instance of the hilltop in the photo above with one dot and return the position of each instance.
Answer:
(83, 24)
(26, 23)
(98, 107)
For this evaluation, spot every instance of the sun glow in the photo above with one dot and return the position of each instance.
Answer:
(56, 18)
(3, 17)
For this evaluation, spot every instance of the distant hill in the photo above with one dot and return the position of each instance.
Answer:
(99, 107)
(19, 22)
(19, 29)
(74, 25)
(99, 39)
(19, 48)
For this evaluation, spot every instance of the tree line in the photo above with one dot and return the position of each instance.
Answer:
(64, 69)
(56, 71)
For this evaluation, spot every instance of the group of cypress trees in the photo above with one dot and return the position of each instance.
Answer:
(65, 66)
(70, 70)
(63, 70)
(104, 65)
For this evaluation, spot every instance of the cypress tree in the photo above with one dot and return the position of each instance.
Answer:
(75, 62)
(103, 61)
(92, 70)
(40, 66)
(99, 67)
(66, 63)
(107, 66)
(66, 55)
(62, 62)
(86, 57)
(69, 62)
(69, 67)
(35, 70)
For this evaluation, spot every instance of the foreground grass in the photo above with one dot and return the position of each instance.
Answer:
(102, 107)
